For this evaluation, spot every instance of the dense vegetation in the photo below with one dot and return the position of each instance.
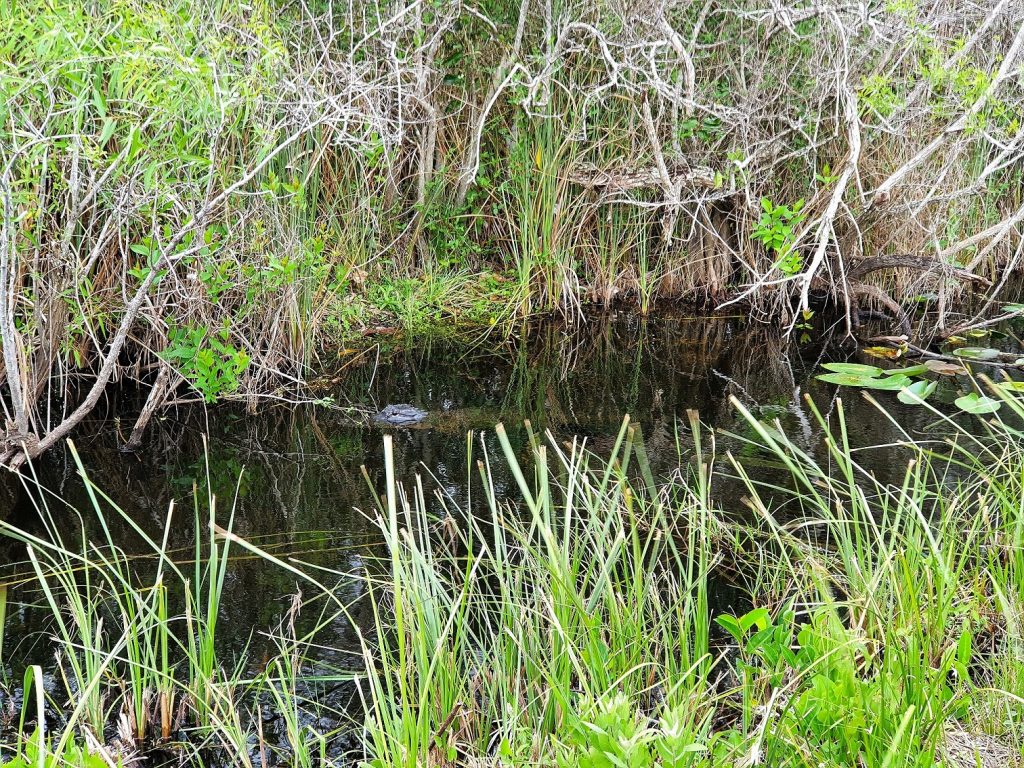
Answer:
(204, 196)
(874, 623)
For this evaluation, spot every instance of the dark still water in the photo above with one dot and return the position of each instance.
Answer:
(293, 475)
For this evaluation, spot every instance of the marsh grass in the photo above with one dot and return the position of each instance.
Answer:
(3, 623)
(573, 625)
(133, 672)
(563, 614)
(498, 634)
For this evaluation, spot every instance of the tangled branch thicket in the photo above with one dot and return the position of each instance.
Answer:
(202, 195)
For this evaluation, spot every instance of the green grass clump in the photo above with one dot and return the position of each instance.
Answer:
(573, 626)
(565, 615)
(528, 618)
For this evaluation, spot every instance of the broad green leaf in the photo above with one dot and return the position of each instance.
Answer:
(731, 625)
(910, 370)
(975, 403)
(758, 617)
(977, 353)
(917, 392)
(889, 383)
(845, 379)
(854, 369)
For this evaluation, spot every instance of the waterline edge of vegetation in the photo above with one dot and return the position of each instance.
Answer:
(573, 627)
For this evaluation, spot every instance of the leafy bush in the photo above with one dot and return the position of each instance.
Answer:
(207, 359)
(775, 231)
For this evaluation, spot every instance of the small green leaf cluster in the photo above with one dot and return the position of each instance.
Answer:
(32, 754)
(775, 232)
(207, 359)
(616, 735)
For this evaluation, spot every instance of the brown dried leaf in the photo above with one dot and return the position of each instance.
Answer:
(945, 368)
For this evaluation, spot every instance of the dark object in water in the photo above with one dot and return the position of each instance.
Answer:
(401, 415)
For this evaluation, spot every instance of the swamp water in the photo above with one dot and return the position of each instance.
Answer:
(294, 479)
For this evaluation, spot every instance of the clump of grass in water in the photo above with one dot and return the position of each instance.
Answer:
(549, 632)
(899, 589)
(125, 662)
(570, 624)
(533, 618)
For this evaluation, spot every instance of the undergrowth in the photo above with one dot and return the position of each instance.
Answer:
(209, 197)
(567, 619)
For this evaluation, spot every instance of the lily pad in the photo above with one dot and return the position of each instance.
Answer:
(917, 392)
(846, 379)
(854, 369)
(975, 403)
(945, 368)
(977, 353)
(889, 383)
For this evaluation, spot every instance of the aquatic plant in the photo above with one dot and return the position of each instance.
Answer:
(566, 617)
(500, 633)
(128, 664)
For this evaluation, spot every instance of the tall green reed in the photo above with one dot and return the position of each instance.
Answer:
(566, 593)
(893, 579)
(117, 642)
(3, 623)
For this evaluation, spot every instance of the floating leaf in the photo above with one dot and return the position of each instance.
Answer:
(977, 353)
(917, 392)
(910, 370)
(854, 369)
(945, 368)
(846, 379)
(890, 383)
(975, 403)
